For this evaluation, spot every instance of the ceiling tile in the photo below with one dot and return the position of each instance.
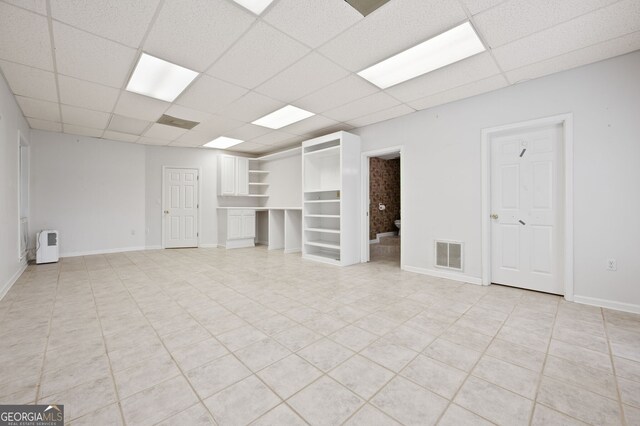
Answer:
(86, 94)
(515, 19)
(597, 52)
(364, 106)
(140, 107)
(312, 22)
(127, 125)
(339, 93)
(122, 137)
(161, 131)
(477, 67)
(122, 21)
(476, 6)
(217, 125)
(88, 57)
(259, 55)
(193, 138)
(194, 33)
(246, 132)
(398, 25)
(188, 113)
(84, 117)
(35, 108)
(49, 126)
(383, 115)
(24, 37)
(82, 131)
(30, 82)
(250, 107)
(274, 137)
(610, 22)
(150, 141)
(38, 6)
(461, 92)
(317, 122)
(306, 76)
(210, 94)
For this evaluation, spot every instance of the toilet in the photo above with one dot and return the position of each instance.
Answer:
(397, 223)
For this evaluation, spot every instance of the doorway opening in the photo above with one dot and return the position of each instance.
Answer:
(382, 196)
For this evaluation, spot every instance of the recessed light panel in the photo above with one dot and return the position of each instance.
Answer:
(283, 117)
(159, 79)
(444, 49)
(223, 142)
(256, 6)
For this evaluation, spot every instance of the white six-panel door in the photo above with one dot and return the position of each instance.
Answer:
(526, 230)
(180, 208)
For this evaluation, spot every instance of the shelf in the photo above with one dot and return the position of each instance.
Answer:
(323, 230)
(336, 216)
(247, 195)
(324, 152)
(258, 171)
(332, 258)
(322, 190)
(323, 244)
(258, 183)
(321, 201)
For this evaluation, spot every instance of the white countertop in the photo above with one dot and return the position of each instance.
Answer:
(260, 208)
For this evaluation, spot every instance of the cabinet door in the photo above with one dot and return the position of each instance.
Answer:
(249, 224)
(234, 227)
(242, 171)
(227, 175)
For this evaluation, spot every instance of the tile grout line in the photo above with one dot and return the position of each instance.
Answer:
(623, 415)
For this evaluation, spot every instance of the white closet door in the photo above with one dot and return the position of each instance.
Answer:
(180, 208)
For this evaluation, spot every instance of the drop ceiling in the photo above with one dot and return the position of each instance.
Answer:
(68, 62)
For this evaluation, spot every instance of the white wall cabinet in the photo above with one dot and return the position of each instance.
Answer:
(233, 179)
(331, 198)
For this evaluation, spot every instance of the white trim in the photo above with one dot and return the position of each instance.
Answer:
(23, 141)
(382, 234)
(566, 120)
(444, 274)
(364, 247)
(199, 169)
(209, 245)
(293, 250)
(7, 286)
(609, 304)
(107, 251)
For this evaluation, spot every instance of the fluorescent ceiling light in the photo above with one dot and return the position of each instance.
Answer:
(159, 79)
(223, 142)
(256, 6)
(444, 49)
(283, 117)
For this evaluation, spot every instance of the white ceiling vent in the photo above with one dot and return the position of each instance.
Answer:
(449, 254)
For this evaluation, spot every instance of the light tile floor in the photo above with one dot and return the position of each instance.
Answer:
(210, 336)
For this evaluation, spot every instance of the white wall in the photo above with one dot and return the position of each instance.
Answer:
(92, 191)
(442, 169)
(285, 181)
(206, 160)
(11, 122)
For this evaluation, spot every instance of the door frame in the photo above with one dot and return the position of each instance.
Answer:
(566, 121)
(364, 237)
(162, 215)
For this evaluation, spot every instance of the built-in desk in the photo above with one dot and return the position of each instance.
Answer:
(237, 228)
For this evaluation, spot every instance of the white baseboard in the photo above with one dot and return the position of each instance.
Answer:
(210, 245)
(383, 234)
(107, 251)
(610, 304)
(292, 250)
(456, 276)
(7, 286)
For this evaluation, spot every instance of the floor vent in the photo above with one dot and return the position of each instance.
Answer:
(177, 122)
(449, 254)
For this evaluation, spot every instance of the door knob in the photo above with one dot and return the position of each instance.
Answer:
(494, 216)
(166, 212)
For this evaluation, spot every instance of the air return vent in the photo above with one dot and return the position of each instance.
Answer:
(177, 122)
(449, 255)
(365, 7)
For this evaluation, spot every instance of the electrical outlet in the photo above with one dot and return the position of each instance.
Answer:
(612, 265)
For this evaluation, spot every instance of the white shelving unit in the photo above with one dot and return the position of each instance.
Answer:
(331, 199)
